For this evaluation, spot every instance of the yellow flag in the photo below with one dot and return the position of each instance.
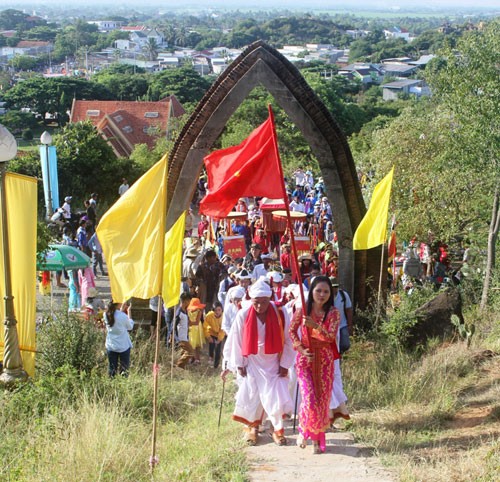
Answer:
(131, 234)
(21, 200)
(172, 266)
(372, 229)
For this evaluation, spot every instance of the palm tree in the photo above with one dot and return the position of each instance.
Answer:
(151, 49)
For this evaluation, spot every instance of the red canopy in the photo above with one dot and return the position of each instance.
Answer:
(267, 204)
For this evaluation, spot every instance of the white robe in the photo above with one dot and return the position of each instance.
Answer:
(338, 395)
(262, 390)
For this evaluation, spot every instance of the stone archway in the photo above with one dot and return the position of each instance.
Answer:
(261, 65)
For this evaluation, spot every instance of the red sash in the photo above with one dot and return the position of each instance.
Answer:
(274, 333)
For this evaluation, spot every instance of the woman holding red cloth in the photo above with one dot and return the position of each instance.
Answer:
(314, 335)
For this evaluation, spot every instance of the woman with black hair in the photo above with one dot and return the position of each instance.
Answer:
(118, 343)
(313, 334)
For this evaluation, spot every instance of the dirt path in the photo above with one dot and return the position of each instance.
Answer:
(343, 460)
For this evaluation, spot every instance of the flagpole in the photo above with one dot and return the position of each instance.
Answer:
(153, 460)
(288, 217)
(380, 284)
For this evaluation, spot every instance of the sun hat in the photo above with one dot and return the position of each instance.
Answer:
(195, 304)
(191, 252)
(92, 293)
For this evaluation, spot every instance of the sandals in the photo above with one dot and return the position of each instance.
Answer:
(316, 448)
(337, 415)
(279, 438)
(301, 442)
(251, 436)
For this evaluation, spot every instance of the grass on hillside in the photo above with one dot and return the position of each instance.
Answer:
(435, 416)
(87, 427)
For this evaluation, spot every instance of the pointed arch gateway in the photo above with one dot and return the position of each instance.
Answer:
(262, 65)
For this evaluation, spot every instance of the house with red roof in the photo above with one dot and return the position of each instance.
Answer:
(124, 124)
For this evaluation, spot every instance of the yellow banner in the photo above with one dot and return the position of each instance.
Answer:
(132, 235)
(172, 263)
(372, 229)
(21, 200)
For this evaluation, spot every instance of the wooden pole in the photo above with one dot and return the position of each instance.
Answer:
(153, 461)
(288, 218)
(380, 284)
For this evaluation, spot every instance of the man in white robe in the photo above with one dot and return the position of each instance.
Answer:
(259, 350)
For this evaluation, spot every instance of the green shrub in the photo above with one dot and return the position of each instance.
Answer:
(66, 340)
(27, 135)
(396, 327)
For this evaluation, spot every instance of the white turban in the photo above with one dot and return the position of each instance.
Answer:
(260, 289)
(238, 292)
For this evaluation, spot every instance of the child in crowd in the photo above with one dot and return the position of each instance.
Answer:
(196, 335)
(214, 333)
(182, 327)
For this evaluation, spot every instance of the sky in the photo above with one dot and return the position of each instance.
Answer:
(302, 4)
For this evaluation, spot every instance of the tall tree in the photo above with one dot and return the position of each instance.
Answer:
(151, 49)
(469, 87)
(44, 95)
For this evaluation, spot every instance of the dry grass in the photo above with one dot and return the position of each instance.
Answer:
(434, 418)
(104, 432)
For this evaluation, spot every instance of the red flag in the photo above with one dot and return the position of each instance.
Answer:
(392, 247)
(249, 169)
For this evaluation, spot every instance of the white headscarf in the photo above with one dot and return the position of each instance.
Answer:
(260, 289)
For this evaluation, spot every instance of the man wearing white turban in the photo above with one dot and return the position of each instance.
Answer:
(260, 353)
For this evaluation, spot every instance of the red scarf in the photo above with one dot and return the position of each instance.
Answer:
(274, 333)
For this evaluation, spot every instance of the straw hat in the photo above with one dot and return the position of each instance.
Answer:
(195, 304)
(192, 252)
(92, 293)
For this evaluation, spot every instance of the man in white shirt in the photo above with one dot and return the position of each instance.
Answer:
(123, 187)
(67, 208)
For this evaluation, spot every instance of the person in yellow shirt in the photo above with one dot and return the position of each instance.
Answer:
(214, 333)
(196, 335)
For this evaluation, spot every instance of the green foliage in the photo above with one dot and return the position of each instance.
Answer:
(465, 330)
(23, 62)
(16, 121)
(43, 238)
(184, 83)
(53, 95)
(82, 152)
(11, 19)
(64, 340)
(396, 327)
(27, 135)
(73, 37)
(123, 86)
(430, 174)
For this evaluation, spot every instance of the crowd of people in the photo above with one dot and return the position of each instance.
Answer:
(280, 330)
(246, 314)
